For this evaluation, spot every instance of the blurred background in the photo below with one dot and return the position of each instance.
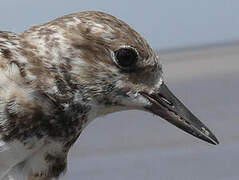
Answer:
(198, 43)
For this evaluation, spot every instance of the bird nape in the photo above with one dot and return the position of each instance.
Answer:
(59, 76)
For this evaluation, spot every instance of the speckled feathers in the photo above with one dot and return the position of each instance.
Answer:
(59, 76)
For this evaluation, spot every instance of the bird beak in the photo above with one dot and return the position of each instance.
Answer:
(166, 105)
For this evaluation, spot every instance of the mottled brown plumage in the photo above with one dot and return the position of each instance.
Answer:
(59, 76)
(55, 74)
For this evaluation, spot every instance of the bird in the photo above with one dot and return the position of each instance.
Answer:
(58, 77)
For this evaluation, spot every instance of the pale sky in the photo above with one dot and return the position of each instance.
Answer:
(164, 23)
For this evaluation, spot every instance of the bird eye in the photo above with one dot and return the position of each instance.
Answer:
(126, 58)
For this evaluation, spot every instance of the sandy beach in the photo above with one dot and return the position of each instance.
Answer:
(137, 145)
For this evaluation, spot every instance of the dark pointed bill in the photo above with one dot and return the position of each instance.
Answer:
(166, 105)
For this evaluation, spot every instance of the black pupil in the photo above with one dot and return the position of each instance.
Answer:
(126, 57)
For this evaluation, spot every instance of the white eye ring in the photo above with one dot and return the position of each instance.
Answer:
(125, 57)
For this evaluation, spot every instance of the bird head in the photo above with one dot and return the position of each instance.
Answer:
(115, 69)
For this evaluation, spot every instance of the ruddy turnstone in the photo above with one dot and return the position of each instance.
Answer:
(59, 76)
